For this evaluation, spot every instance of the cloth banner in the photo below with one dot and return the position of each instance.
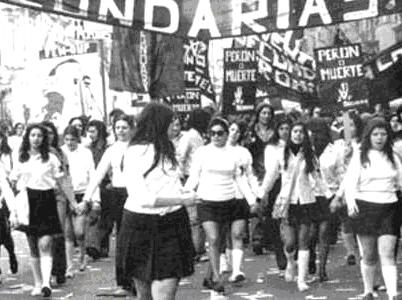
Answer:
(196, 73)
(281, 64)
(145, 62)
(184, 103)
(216, 18)
(341, 77)
(240, 80)
(385, 70)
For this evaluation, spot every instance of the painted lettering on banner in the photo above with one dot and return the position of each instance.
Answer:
(216, 18)
(341, 76)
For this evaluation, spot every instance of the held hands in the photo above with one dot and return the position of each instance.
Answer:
(335, 204)
(189, 198)
(353, 209)
(82, 208)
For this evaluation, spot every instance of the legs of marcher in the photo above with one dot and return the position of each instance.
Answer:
(288, 234)
(368, 250)
(143, 289)
(303, 255)
(386, 246)
(212, 234)
(46, 259)
(237, 232)
(35, 264)
(69, 236)
(79, 225)
(323, 250)
(164, 289)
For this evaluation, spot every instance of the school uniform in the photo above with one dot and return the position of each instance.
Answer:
(39, 179)
(374, 187)
(215, 174)
(154, 243)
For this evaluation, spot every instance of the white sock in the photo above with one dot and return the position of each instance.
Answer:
(302, 264)
(390, 275)
(69, 254)
(368, 273)
(237, 258)
(46, 263)
(36, 271)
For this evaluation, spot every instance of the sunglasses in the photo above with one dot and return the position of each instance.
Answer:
(218, 133)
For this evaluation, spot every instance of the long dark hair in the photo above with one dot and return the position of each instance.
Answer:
(55, 143)
(101, 128)
(25, 145)
(321, 134)
(274, 139)
(152, 128)
(4, 146)
(366, 143)
(306, 148)
(257, 112)
(199, 120)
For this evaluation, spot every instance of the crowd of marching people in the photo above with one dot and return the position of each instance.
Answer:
(177, 190)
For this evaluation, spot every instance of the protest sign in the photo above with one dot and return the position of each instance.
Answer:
(240, 80)
(340, 77)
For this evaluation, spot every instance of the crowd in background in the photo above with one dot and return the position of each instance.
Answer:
(177, 189)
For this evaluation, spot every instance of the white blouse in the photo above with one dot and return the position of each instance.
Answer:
(82, 167)
(377, 182)
(112, 160)
(162, 181)
(37, 174)
(305, 184)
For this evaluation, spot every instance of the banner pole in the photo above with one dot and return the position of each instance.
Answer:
(346, 126)
(102, 71)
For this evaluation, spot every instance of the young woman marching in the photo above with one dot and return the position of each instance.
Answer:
(276, 145)
(215, 174)
(371, 181)
(37, 172)
(65, 200)
(97, 136)
(82, 168)
(320, 136)
(295, 205)
(6, 239)
(237, 229)
(155, 239)
(112, 207)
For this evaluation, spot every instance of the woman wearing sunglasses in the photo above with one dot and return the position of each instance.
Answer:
(216, 174)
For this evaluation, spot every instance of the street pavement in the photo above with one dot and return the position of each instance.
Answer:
(97, 281)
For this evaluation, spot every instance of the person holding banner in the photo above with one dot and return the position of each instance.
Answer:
(37, 172)
(371, 181)
(295, 205)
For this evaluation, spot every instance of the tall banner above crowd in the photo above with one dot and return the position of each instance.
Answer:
(341, 81)
(282, 65)
(240, 80)
(216, 18)
(385, 72)
(196, 73)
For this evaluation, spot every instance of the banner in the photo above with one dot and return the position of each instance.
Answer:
(216, 18)
(145, 62)
(281, 64)
(184, 103)
(240, 80)
(385, 72)
(196, 73)
(341, 76)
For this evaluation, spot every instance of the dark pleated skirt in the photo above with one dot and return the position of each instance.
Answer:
(43, 216)
(154, 247)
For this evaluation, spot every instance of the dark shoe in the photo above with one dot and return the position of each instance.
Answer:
(312, 268)
(46, 292)
(218, 287)
(351, 260)
(13, 264)
(61, 279)
(322, 276)
(369, 296)
(207, 283)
